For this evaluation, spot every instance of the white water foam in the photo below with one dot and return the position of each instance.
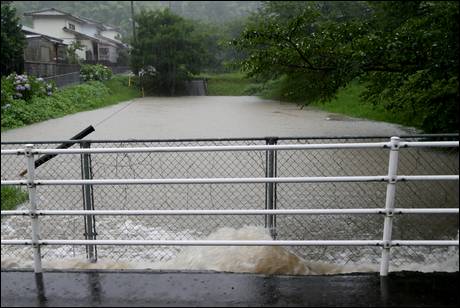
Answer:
(244, 259)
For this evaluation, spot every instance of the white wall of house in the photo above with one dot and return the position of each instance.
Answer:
(111, 34)
(108, 53)
(113, 56)
(51, 26)
(88, 29)
(88, 45)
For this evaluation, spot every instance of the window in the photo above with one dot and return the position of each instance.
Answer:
(45, 54)
(104, 51)
(71, 26)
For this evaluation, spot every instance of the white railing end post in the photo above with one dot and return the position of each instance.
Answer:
(31, 186)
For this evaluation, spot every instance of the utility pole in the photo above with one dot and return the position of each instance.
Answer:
(134, 23)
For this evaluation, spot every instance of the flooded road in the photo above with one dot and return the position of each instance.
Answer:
(218, 117)
(201, 117)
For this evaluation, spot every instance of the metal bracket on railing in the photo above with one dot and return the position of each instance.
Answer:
(389, 213)
(28, 150)
(386, 244)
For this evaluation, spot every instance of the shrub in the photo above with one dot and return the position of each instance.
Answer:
(95, 72)
(24, 88)
(11, 197)
(69, 100)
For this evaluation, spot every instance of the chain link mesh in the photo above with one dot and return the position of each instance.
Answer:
(295, 163)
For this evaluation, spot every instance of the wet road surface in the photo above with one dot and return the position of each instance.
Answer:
(212, 289)
(202, 117)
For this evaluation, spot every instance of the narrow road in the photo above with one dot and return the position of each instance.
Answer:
(199, 117)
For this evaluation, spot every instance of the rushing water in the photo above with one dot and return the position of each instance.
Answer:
(231, 117)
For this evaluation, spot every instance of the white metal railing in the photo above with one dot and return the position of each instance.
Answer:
(389, 210)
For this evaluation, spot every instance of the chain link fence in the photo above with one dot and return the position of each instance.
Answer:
(293, 163)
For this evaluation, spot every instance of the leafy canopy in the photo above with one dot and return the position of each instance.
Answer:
(13, 41)
(170, 45)
(405, 52)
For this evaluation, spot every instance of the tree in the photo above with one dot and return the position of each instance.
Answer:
(405, 52)
(13, 41)
(71, 52)
(169, 44)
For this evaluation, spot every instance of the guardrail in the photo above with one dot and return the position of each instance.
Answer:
(391, 179)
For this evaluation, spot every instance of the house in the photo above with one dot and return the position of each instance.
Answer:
(43, 48)
(100, 41)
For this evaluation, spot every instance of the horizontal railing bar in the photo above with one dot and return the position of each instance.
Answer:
(202, 148)
(323, 179)
(231, 148)
(13, 182)
(423, 144)
(424, 243)
(230, 212)
(203, 180)
(427, 177)
(426, 211)
(199, 212)
(233, 242)
(451, 135)
(197, 242)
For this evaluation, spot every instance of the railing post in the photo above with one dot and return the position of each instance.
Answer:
(31, 186)
(270, 188)
(88, 203)
(389, 205)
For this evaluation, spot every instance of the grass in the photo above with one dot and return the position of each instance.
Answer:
(69, 100)
(348, 102)
(119, 91)
(12, 197)
(228, 84)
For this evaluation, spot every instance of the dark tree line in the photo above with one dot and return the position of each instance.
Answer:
(13, 40)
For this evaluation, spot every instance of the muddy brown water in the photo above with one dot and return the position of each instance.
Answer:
(202, 117)
(219, 117)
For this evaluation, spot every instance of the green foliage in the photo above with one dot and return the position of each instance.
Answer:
(229, 84)
(12, 41)
(24, 87)
(407, 52)
(90, 95)
(169, 45)
(219, 54)
(418, 62)
(95, 72)
(12, 197)
(347, 102)
(71, 52)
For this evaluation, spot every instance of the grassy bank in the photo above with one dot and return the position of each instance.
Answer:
(228, 84)
(72, 99)
(348, 102)
(12, 197)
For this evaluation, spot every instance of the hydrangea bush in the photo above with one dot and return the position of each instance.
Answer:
(95, 72)
(24, 87)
